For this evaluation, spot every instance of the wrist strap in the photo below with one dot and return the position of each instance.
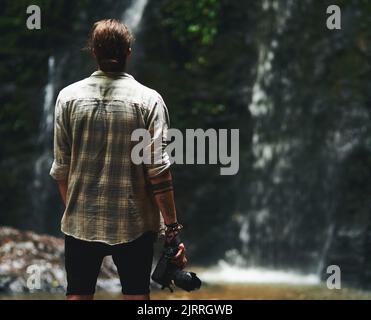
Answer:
(172, 232)
(176, 226)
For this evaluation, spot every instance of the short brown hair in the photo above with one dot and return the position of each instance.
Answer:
(109, 41)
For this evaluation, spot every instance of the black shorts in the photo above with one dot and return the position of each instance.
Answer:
(83, 260)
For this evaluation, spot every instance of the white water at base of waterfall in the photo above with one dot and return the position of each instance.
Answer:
(224, 272)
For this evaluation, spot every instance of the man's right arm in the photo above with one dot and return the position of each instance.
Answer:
(163, 192)
(157, 123)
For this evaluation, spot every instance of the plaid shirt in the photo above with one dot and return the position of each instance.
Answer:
(108, 196)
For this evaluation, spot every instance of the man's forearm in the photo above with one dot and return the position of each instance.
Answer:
(162, 188)
(164, 196)
(62, 186)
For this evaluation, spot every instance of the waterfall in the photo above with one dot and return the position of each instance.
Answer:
(49, 98)
(46, 127)
(40, 190)
(258, 260)
(132, 16)
(261, 107)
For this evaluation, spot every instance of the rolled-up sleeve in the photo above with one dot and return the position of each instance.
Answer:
(157, 124)
(62, 147)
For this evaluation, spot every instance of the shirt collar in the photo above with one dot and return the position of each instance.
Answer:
(100, 73)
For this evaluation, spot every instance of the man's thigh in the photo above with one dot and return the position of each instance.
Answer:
(134, 263)
(83, 260)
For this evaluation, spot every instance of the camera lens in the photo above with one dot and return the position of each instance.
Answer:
(187, 281)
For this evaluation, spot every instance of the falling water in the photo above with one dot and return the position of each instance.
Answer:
(245, 266)
(132, 17)
(40, 190)
(49, 98)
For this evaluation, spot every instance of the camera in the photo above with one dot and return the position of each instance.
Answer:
(167, 273)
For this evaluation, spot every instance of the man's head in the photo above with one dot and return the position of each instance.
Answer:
(110, 43)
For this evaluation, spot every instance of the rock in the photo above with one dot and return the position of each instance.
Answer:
(30, 262)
